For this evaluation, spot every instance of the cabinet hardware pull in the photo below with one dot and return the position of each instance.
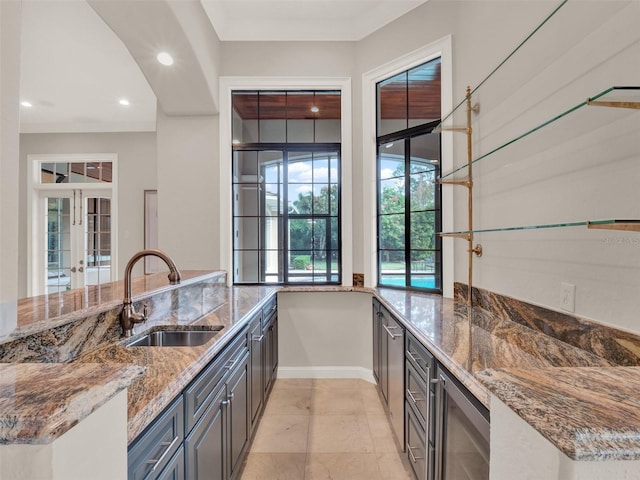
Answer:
(229, 364)
(414, 459)
(169, 446)
(257, 338)
(435, 381)
(414, 358)
(390, 333)
(413, 398)
(230, 397)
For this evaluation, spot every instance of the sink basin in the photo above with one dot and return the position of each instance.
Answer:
(174, 338)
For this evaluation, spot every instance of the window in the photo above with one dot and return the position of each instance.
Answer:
(408, 165)
(286, 189)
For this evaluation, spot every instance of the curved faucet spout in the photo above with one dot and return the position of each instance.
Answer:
(129, 316)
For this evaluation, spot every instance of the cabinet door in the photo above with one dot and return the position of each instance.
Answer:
(204, 447)
(256, 370)
(395, 376)
(274, 350)
(376, 339)
(271, 353)
(384, 358)
(239, 425)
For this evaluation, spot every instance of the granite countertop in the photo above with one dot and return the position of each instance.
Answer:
(43, 312)
(581, 402)
(37, 410)
(469, 340)
(170, 369)
(588, 413)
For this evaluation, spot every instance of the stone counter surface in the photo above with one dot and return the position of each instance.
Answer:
(587, 413)
(538, 376)
(170, 369)
(40, 402)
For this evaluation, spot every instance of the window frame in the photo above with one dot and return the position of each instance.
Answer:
(443, 48)
(283, 217)
(406, 136)
(228, 84)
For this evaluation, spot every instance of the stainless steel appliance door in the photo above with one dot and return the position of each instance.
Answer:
(462, 434)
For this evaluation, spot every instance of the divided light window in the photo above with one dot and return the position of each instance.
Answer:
(286, 187)
(408, 165)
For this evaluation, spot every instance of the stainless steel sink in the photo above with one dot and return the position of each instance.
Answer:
(174, 338)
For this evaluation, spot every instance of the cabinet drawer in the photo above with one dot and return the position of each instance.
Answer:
(153, 449)
(175, 469)
(416, 446)
(420, 358)
(417, 394)
(197, 395)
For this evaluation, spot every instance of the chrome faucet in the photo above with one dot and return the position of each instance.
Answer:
(129, 317)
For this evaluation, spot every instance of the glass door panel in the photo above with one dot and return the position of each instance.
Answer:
(58, 245)
(97, 245)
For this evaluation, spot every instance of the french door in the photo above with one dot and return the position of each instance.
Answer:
(72, 228)
(77, 239)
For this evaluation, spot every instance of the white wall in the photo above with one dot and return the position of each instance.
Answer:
(136, 172)
(585, 168)
(9, 154)
(188, 190)
(325, 334)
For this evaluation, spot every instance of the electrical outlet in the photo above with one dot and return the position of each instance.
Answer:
(568, 297)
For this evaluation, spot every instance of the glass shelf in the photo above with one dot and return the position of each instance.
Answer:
(513, 52)
(620, 97)
(628, 225)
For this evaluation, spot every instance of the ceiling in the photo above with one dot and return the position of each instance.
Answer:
(75, 70)
(348, 20)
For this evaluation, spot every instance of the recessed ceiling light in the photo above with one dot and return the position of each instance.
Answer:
(165, 58)
(315, 109)
(26, 104)
(124, 102)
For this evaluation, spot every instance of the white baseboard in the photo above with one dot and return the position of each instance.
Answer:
(326, 372)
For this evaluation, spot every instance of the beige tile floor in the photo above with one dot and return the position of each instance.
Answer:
(324, 429)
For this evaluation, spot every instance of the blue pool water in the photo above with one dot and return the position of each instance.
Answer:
(427, 282)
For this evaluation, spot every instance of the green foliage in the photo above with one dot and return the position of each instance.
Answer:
(311, 235)
(392, 230)
(301, 261)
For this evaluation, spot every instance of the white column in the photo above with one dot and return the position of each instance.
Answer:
(10, 26)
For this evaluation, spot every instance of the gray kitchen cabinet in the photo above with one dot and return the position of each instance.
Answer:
(377, 322)
(215, 447)
(419, 411)
(205, 431)
(390, 358)
(205, 444)
(256, 369)
(152, 451)
(238, 424)
(270, 329)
